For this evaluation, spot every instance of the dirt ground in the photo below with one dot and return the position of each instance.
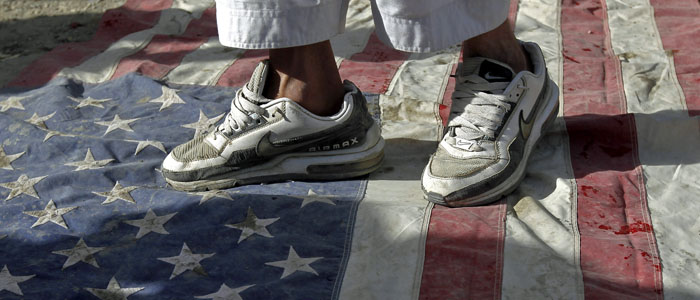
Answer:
(30, 28)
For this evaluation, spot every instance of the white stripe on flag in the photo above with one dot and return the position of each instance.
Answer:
(668, 148)
(648, 72)
(358, 27)
(426, 77)
(205, 65)
(542, 245)
(173, 21)
(411, 105)
(389, 238)
(667, 142)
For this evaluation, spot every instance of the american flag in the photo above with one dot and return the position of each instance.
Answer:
(607, 210)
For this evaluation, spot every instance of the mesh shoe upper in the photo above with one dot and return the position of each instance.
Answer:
(445, 165)
(245, 111)
(193, 150)
(258, 129)
(478, 111)
(497, 118)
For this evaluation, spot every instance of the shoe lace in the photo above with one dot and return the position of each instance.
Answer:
(478, 109)
(245, 111)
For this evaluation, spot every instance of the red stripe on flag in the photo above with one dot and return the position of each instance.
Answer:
(373, 68)
(165, 52)
(464, 253)
(619, 257)
(240, 71)
(678, 22)
(117, 23)
(464, 246)
(446, 105)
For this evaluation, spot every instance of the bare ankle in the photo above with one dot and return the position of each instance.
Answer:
(322, 99)
(499, 44)
(307, 75)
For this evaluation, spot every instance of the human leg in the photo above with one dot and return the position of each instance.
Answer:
(294, 119)
(296, 34)
(503, 99)
(497, 118)
(308, 75)
(501, 45)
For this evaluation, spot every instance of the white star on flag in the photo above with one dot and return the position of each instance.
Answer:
(252, 225)
(150, 223)
(117, 123)
(118, 192)
(206, 196)
(89, 162)
(203, 123)
(52, 133)
(114, 291)
(50, 214)
(23, 185)
(294, 263)
(12, 102)
(8, 282)
(312, 197)
(81, 252)
(226, 293)
(168, 97)
(89, 101)
(38, 121)
(143, 144)
(6, 160)
(186, 261)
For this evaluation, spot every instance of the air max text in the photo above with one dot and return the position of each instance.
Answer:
(337, 146)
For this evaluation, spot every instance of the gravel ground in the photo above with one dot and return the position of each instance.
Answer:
(30, 28)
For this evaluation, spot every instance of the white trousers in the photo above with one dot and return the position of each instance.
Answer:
(408, 25)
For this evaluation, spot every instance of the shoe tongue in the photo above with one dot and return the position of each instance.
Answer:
(256, 84)
(491, 70)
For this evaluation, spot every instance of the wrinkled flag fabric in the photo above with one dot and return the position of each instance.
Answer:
(607, 209)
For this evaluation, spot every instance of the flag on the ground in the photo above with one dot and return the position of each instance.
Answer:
(608, 209)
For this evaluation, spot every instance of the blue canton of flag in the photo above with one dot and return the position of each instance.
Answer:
(87, 215)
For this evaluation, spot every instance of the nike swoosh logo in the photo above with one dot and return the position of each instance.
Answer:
(526, 123)
(267, 148)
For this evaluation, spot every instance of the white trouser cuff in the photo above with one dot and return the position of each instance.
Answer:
(270, 25)
(442, 27)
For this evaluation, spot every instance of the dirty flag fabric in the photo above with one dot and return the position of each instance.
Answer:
(606, 210)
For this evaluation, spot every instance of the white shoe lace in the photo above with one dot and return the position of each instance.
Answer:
(245, 111)
(478, 109)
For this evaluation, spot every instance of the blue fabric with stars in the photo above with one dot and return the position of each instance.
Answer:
(57, 148)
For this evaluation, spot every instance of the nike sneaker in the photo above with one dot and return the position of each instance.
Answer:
(264, 140)
(497, 118)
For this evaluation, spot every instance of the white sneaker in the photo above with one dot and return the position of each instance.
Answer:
(263, 140)
(497, 118)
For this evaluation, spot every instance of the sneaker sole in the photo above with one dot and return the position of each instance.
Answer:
(323, 166)
(510, 184)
